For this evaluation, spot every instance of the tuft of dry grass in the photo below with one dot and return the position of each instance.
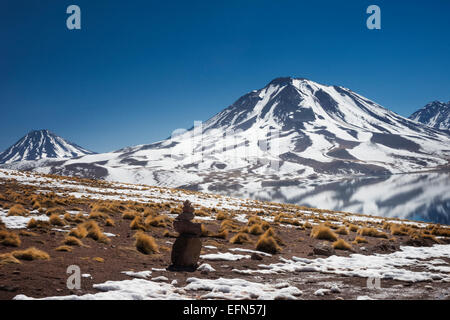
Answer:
(72, 241)
(98, 259)
(240, 238)
(64, 248)
(359, 239)
(353, 227)
(31, 254)
(17, 210)
(341, 244)
(323, 232)
(80, 232)
(168, 234)
(440, 232)
(221, 215)
(220, 235)
(205, 231)
(129, 215)
(95, 232)
(253, 220)
(34, 224)
(256, 229)
(110, 222)
(8, 238)
(398, 230)
(372, 232)
(307, 225)
(158, 221)
(97, 215)
(146, 244)
(56, 220)
(137, 224)
(267, 244)
(8, 258)
(342, 230)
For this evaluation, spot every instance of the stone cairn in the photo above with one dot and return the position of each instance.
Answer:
(186, 248)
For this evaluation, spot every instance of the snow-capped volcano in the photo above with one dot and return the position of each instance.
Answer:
(291, 132)
(41, 144)
(436, 114)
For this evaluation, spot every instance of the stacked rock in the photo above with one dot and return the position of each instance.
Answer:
(187, 247)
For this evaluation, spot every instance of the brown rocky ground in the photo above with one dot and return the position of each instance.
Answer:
(42, 278)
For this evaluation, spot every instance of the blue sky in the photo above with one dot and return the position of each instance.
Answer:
(137, 70)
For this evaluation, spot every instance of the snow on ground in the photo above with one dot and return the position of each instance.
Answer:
(141, 274)
(384, 266)
(18, 222)
(222, 288)
(224, 256)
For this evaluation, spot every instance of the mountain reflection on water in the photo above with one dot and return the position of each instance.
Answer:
(421, 196)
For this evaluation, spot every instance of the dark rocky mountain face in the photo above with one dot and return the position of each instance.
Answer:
(41, 144)
(436, 114)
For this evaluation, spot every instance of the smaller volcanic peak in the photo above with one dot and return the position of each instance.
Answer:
(42, 144)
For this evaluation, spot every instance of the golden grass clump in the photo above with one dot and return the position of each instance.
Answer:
(353, 227)
(220, 235)
(372, 232)
(110, 222)
(56, 220)
(221, 215)
(342, 230)
(137, 224)
(440, 232)
(98, 259)
(149, 212)
(323, 232)
(360, 239)
(158, 221)
(30, 254)
(307, 225)
(253, 220)
(79, 232)
(256, 229)
(203, 212)
(95, 232)
(56, 210)
(229, 225)
(34, 224)
(8, 258)
(398, 230)
(341, 244)
(205, 231)
(8, 238)
(64, 248)
(267, 244)
(72, 241)
(146, 244)
(97, 215)
(17, 210)
(240, 238)
(129, 215)
(168, 234)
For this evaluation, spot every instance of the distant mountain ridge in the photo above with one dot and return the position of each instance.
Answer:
(41, 144)
(435, 114)
(312, 132)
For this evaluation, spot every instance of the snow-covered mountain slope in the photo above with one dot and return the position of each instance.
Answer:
(41, 144)
(436, 114)
(290, 132)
